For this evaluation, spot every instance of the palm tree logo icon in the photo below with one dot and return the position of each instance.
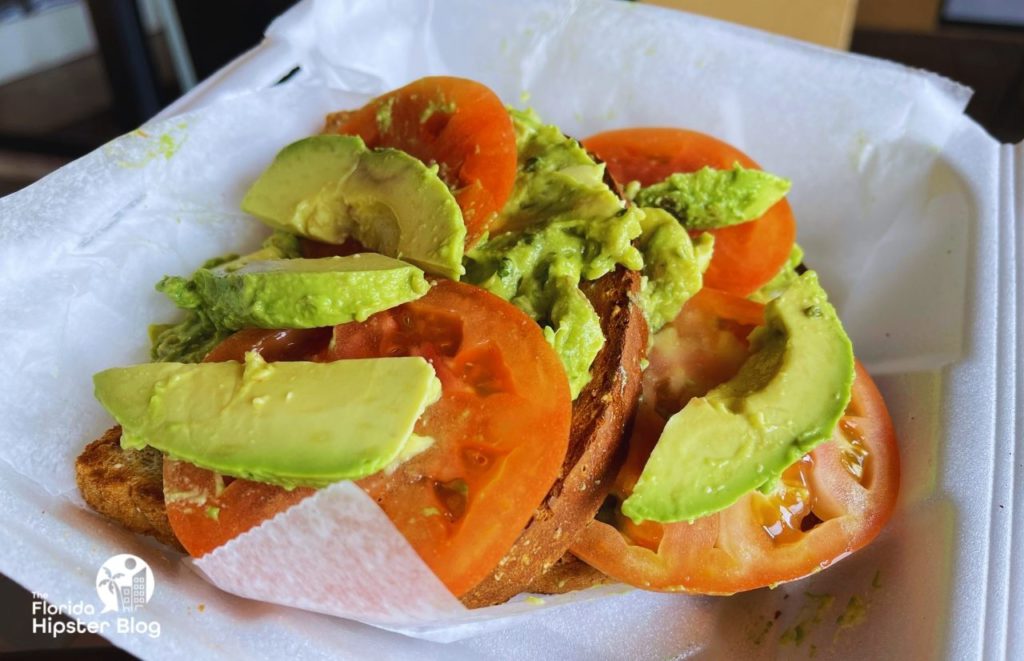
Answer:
(110, 582)
(124, 583)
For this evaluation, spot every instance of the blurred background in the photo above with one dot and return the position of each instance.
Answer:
(77, 73)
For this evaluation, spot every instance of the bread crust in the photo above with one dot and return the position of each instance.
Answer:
(600, 417)
(567, 574)
(126, 486)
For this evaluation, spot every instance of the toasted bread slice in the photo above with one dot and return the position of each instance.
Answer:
(596, 448)
(567, 574)
(125, 485)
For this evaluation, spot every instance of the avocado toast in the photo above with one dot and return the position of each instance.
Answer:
(111, 475)
(522, 288)
(126, 484)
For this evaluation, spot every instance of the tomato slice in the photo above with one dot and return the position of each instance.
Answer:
(500, 432)
(747, 255)
(828, 504)
(702, 347)
(459, 124)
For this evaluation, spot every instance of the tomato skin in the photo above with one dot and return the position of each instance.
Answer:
(500, 432)
(206, 510)
(747, 255)
(849, 484)
(457, 123)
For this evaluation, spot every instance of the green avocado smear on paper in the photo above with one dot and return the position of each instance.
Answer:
(563, 225)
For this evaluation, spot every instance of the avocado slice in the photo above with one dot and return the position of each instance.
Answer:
(287, 423)
(299, 293)
(331, 187)
(789, 272)
(786, 399)
(189, 340)
(710, 199)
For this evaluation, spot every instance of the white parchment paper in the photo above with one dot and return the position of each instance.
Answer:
(882, 215)
(383, 581)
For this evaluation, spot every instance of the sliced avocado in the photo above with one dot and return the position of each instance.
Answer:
(304, 293)
(710, 199)
(783, 279)
(287, 423)
(786, 399)
(299, 172)
(189, 340)
(331, 187)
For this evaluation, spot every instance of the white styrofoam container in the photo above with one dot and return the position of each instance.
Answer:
(951, 584)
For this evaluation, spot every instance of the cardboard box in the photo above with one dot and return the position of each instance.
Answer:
(914, 15)
(825, 22)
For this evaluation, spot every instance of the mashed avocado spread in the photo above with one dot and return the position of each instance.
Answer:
(562, 225)
(673, 266)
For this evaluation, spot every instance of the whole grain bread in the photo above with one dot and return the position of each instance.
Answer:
(125, 485)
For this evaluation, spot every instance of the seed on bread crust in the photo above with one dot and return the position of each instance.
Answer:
(566, 574)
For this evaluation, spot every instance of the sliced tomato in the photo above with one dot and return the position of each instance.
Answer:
(460, 125)
(499, 431)
(747, 255)
(703, 346)
(828, 504)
